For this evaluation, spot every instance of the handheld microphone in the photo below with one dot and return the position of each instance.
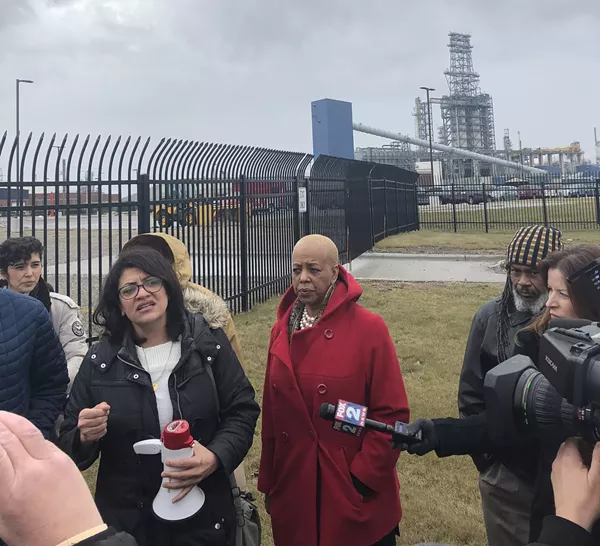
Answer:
(347, 417)
(351, 419)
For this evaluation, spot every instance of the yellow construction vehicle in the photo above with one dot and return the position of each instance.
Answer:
(200, 213)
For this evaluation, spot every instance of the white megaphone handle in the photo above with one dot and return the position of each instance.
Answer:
(148, 447)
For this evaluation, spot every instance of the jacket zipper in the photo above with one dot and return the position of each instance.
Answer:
(140, 478)
(177, 394)
(138, 369)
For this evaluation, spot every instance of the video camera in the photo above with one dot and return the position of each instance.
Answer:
(561, 397)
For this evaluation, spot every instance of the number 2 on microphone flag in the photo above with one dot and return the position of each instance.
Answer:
(351, 414)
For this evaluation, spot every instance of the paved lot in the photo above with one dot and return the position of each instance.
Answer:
(427, 268)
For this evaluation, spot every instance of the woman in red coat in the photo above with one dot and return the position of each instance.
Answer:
(324, 487)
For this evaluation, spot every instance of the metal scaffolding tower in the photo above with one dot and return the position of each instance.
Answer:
(467, 113)
(421, 121)
(507, 141)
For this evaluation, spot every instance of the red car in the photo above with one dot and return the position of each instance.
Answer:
(530, 191)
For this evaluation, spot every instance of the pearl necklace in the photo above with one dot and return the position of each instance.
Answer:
(307, 321)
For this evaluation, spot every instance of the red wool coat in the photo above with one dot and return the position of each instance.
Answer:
(348, 355)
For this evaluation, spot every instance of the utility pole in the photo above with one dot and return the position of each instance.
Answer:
(521, 154)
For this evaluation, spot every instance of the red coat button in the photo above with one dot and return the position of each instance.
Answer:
(328, 333)
(286, 437)
(322, 388)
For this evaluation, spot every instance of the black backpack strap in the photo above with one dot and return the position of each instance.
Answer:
(235, 490)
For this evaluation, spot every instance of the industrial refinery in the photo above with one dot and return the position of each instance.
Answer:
(468, 125)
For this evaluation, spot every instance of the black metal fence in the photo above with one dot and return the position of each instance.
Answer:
(236, 208)
(357, 203)
(571, 202)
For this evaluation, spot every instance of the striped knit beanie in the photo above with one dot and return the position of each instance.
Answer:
(529, 246)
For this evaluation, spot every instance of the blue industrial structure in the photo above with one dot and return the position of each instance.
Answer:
(332, 130)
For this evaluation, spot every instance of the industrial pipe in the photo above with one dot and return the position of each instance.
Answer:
(361, 128)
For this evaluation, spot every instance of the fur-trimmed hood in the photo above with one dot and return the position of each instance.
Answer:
(201, 301)
(197, 299)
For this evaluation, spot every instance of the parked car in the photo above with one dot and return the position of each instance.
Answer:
(530, 191)
(584, 189)
(464, 194)
(422, 197)
(505, 193)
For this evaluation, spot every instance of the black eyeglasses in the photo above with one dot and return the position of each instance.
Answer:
(150, 285)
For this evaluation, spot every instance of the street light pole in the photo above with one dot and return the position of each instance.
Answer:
(521, 154)
(19, 82)
(428, 90)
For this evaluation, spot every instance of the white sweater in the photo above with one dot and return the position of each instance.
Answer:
(159, 362)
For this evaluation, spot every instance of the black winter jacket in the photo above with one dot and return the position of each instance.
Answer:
(109, 538)
(127, 483)
(481, 355)
(561, 532)
(33, 369)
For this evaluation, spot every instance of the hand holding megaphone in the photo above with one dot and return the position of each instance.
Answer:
(188, 473)
(93, 423)
(186, 463)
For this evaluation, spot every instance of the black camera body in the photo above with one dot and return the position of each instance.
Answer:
(560, 397)
(569, 360)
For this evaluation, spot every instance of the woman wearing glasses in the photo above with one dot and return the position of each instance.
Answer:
(148, 369)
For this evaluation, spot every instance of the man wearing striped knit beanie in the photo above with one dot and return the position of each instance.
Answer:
(506, 476)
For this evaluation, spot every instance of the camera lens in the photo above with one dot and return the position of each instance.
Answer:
(541, 410)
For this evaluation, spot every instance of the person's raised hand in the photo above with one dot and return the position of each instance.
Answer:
(44, 499)
(576, 487)
(93, 423)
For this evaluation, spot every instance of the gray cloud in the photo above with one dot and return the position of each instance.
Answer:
(15, 13)
(245, 71)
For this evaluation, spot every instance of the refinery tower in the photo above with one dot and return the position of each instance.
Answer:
(467, 113)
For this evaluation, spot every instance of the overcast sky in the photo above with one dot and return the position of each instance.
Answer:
(246, 71)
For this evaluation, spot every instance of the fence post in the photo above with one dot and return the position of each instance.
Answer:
(348, 248)
(453, 207)
(385, 208)
(597, 198)
(544, 207)
(397, 211)
(244, 242)
(143, 200)
(485, 210)
(296, 183)
(415, 194)
(307, 221)
(371, 209)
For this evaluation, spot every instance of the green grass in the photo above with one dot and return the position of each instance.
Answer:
(440, 497)
(468, 242)
(560, 212)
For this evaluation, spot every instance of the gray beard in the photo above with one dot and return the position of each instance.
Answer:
(533, 307)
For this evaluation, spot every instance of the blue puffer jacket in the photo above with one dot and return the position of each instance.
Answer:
(33, 369)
